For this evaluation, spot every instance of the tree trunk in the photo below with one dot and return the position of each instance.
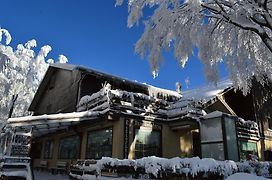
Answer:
(13, 99)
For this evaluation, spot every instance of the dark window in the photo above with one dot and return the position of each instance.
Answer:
(212, 138)
(247, 150)
(99, 144)
(36, 150)
(48, 150)
(268, 155)
(196, 144)
(269, 123)
(148, 143)
(69, 147)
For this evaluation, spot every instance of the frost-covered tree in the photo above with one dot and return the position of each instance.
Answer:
(238, 32)
(21, 71)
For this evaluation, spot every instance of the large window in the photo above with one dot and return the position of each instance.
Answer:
(148, 142)
(212, 138)
(247, 150)
(269, 123)
(48, 149)
(69, 147)
(99, 144)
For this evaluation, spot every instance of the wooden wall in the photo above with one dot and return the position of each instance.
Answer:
(60, 94)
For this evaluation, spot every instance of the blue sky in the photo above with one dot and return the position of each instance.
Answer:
(94, 34)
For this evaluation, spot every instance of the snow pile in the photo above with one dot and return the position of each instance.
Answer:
(84, 100)
(259, 168)
(247, 123)
(188, 166)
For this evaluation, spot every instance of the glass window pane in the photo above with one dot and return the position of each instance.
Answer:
(99, 144)
(231, 139)
(147, 143)
(217, 151)
(269, 122)
(69, 147)
(48, 149)
(211, 130)
(247, 149)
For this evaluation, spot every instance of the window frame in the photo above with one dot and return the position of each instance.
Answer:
(152, 130)
(79, 146)
(269, 123)
(50, 156)
(97, 130)
(246, 141)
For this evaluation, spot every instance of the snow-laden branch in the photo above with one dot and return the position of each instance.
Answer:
(237, 32)
(21, 70)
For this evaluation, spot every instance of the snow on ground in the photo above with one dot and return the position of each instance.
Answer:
(47, 176)
(93, 177)
(41, 175)
(245, 176)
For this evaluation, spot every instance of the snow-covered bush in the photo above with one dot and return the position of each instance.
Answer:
(189, 167)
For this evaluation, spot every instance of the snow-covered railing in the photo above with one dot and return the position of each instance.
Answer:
(12, 167)
(184, 107)
(138, 104)
(162, 167)
(96, 101)
(15, 142)
(247, 129)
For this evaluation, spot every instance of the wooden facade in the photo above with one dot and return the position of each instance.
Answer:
(123, 141)
(129, 120)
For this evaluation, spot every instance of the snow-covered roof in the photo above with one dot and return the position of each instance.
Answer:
(156, 90)
(105, 100)
(212, 115)
(209, 92)
(66, 66)
(125, 103)
(151, 90)
(149, 87)
(45, 124)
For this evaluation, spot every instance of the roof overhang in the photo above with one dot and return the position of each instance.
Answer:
(46, 124)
